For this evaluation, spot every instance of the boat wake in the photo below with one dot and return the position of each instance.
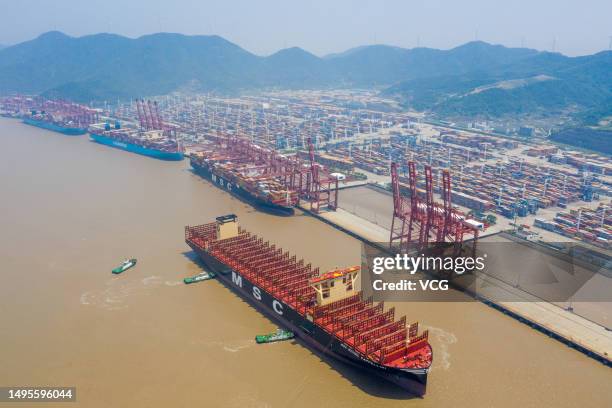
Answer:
(113, 296)
(247, 399)
(152, 280)
(231, 346)
(234, 348)
(443, 339)
(108, 299)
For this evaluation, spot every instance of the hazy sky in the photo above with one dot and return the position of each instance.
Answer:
(325, 26)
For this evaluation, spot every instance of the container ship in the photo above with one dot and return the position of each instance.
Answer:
(247, 182)
(324, 310)
(55, 123)
(152, 143)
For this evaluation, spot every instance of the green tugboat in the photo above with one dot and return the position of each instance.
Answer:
(127, 264)
(199, 277)
(278, 336)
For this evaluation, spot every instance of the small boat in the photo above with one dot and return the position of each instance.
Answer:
(199, 277)
(278, 336)
(127, 264)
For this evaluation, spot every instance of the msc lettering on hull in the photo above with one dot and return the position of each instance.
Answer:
(276, 305)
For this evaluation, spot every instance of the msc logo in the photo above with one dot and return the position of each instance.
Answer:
(276, 305)
(237, 279)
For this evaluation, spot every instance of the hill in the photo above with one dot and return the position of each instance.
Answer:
(476, 79)
(598, 140)
(112, 66)
(538, 82)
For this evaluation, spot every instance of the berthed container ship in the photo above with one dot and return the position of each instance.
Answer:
(324, 310)
(59, 116)
(152, 143)
(46, 121)
(246, 182)
(56, 115)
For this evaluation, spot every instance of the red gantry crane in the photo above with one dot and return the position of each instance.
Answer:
(324, 191)
(420, 222)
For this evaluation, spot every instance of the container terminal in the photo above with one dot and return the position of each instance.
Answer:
(530, 186)
(306, 147)
(505, 182)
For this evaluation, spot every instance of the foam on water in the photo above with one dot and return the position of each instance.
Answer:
(117, 290)
(443, 339)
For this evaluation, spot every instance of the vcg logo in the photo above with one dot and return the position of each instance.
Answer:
(276, 305)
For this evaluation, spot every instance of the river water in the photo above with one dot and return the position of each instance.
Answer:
(71, 210)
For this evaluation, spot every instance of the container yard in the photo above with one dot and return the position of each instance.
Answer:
(593, 226)
(591, 162)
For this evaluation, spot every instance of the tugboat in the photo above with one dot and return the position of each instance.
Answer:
(199, 277)
(278, 336)
(127, 264)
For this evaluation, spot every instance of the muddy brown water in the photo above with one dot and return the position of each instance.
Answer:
(70, 210)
